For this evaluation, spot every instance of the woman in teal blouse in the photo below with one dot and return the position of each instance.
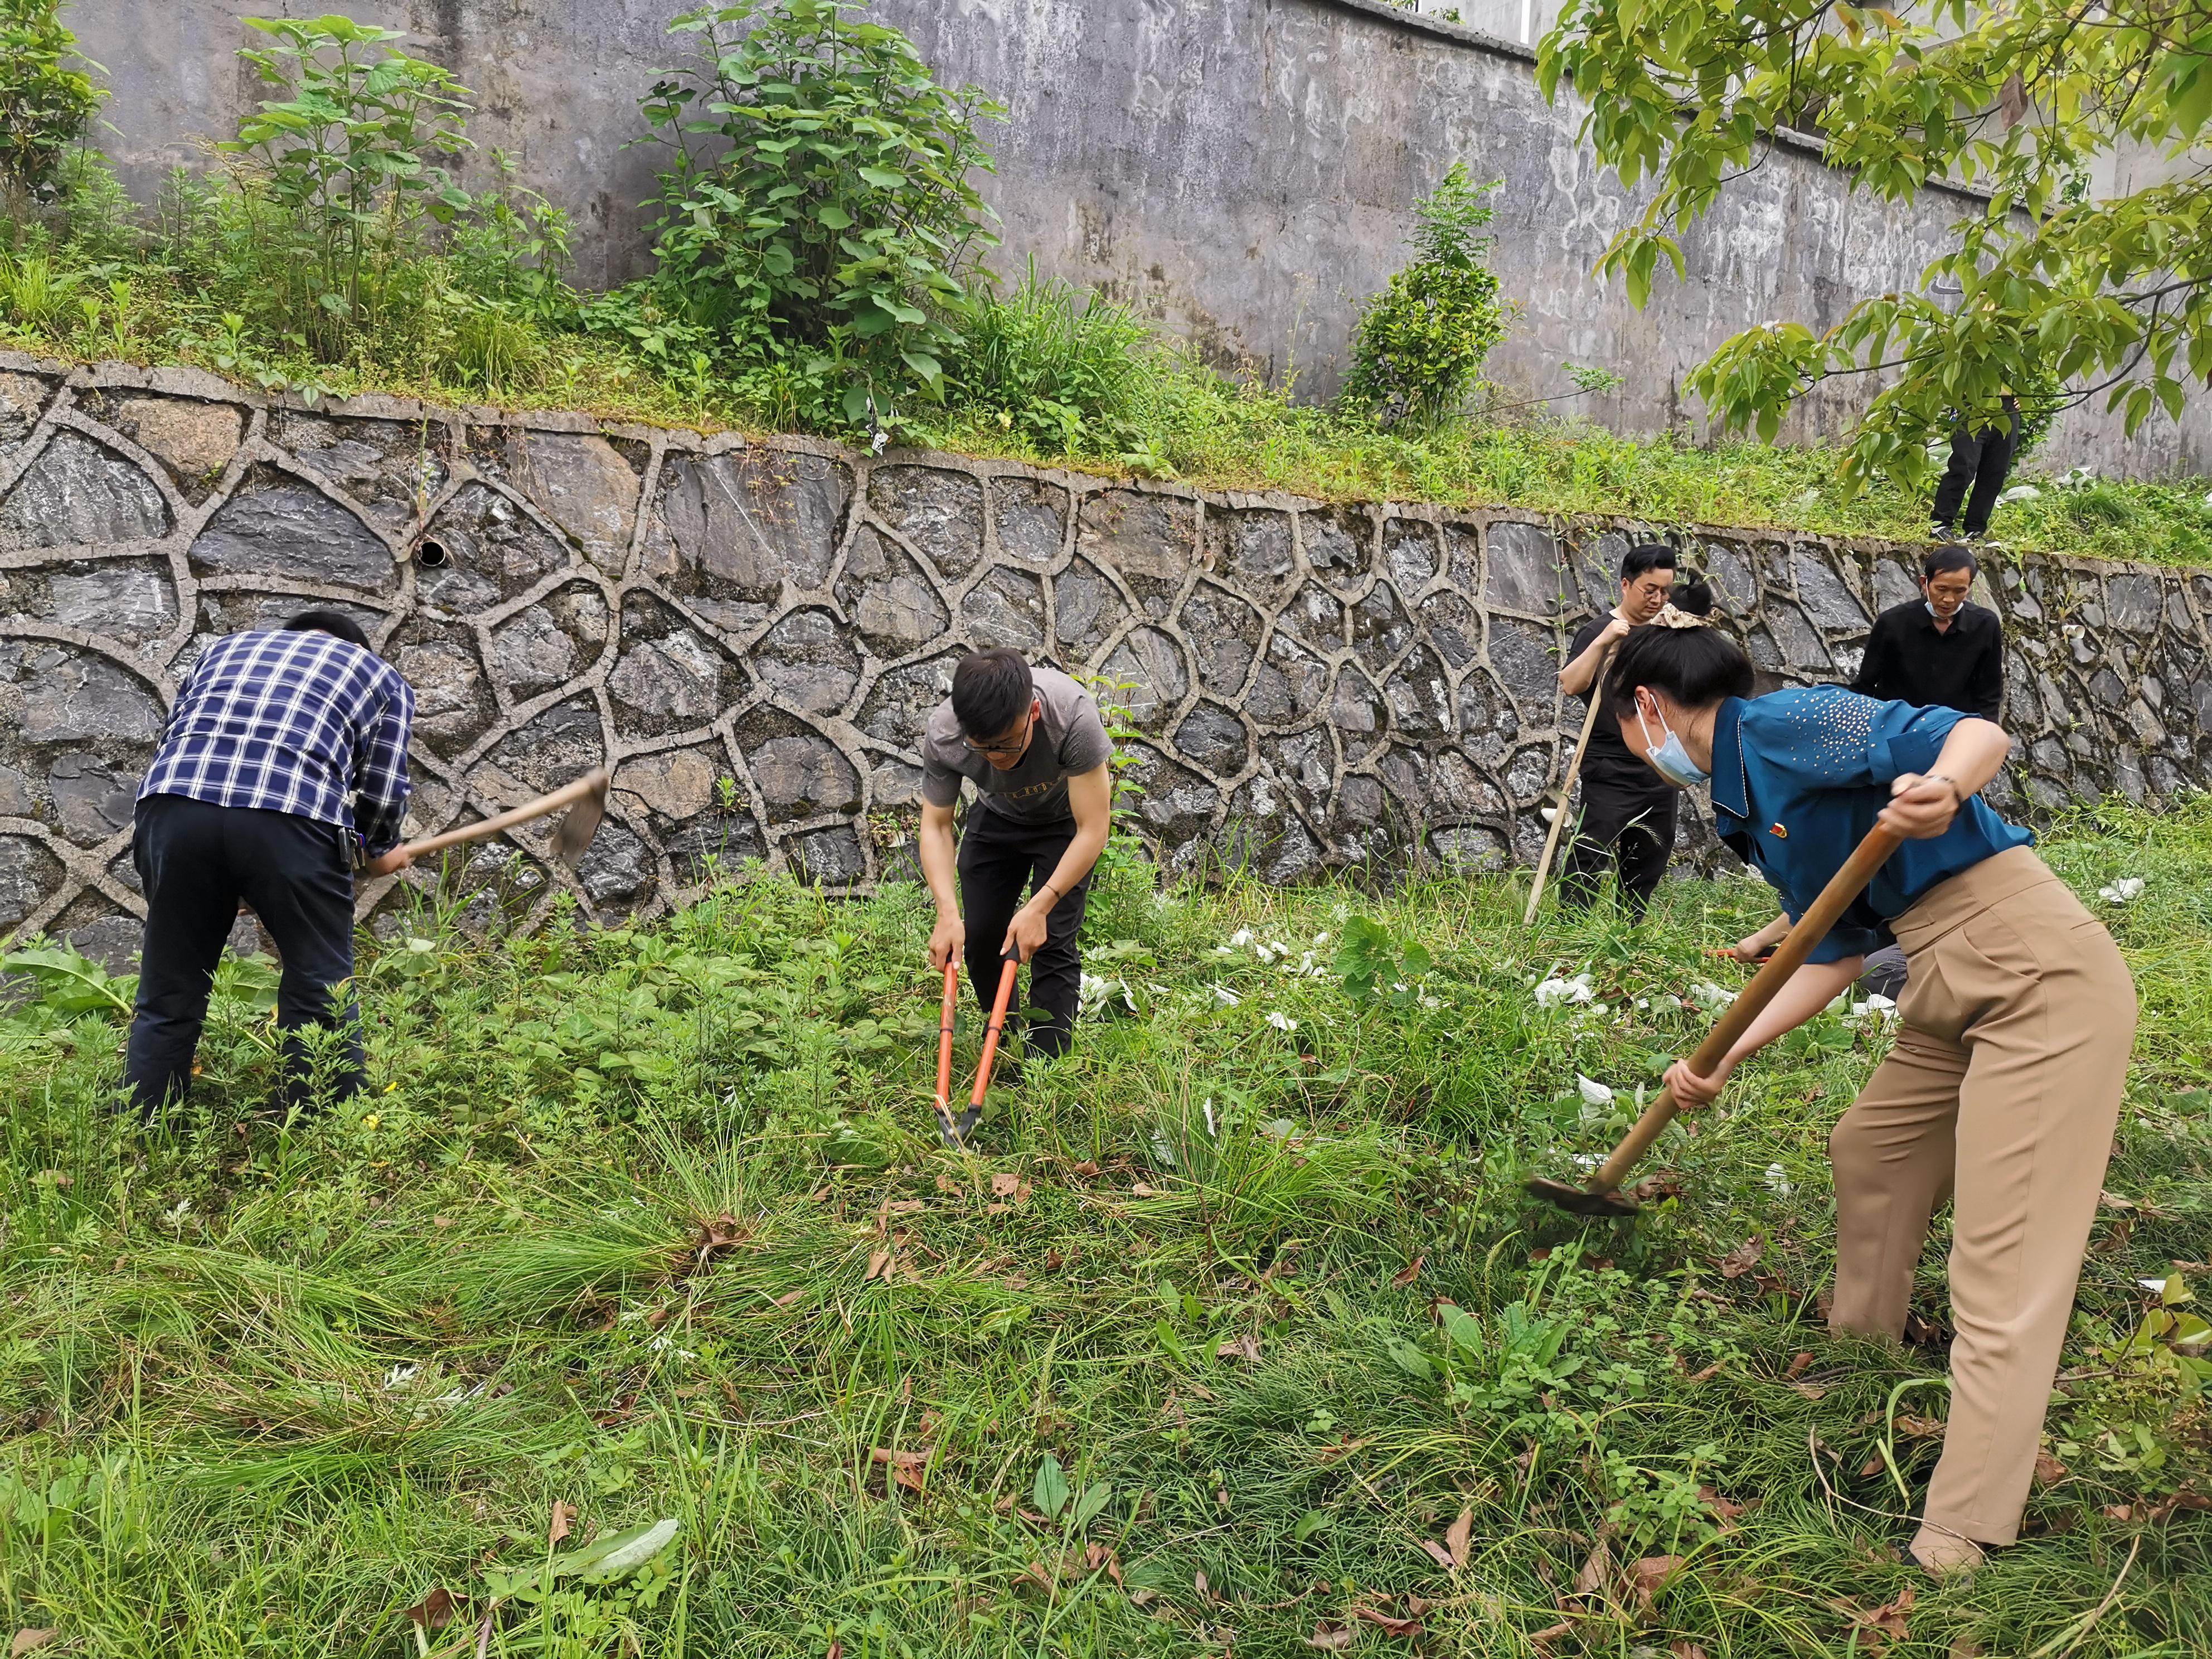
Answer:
(2004, 1086)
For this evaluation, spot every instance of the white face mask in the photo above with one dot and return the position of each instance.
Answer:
(1669, 757)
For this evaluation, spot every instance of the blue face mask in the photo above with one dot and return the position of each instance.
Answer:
(1669, 759)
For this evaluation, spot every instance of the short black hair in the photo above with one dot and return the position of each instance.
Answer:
(1644, 557)
(328, 622)
(1694, 596)
(991, 690)
(1694, 666)
(1950, 555)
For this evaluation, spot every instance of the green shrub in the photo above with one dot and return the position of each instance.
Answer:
(44, 103)
(818, 216)
(1419, 345)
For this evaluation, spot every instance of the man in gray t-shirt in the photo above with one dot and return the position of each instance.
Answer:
(1031, 742)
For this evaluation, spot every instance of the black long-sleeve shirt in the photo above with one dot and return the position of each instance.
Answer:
(1962, 666)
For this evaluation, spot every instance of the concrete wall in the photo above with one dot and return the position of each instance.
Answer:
(1240, 170)
(752, 635)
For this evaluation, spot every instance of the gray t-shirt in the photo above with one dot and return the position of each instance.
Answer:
(1070, 739)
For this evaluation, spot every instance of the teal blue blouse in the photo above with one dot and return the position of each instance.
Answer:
(1798, 778)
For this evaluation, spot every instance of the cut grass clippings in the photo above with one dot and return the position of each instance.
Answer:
(1233, 1332)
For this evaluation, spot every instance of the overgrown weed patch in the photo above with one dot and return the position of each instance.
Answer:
(1233, 1333)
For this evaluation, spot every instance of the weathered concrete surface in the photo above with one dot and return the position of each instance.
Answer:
(751, 635)
(1242, 171)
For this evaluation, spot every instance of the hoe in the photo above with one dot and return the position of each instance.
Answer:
(1601, 1194)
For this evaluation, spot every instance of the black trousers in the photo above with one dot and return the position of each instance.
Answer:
(196, 861)
(1000, 863)
(1635, 830)
(1980, 461)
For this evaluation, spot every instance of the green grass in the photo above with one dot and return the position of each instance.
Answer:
(652, 1222)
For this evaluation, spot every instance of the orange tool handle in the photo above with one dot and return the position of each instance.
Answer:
(991, 1032)
(945, 1019)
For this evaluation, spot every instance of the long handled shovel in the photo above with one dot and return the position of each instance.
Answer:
(1567, 787)
(955, 1131)
(1601, 1194)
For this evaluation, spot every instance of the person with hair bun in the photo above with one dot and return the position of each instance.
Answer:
(2004, 1086)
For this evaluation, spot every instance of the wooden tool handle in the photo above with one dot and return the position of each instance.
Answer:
(1596, 700)
(567, 795)
(1810, 929)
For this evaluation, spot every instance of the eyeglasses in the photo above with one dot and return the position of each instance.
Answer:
(1013, 748)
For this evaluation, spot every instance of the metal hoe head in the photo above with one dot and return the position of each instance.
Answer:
(581, 823)
(1580, 1201)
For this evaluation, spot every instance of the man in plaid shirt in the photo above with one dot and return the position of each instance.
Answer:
(247, 799)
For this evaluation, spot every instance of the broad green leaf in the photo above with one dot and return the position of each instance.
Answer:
(1049, 1494)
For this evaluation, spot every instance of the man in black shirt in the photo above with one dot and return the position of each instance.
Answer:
(1628, 810)
(1938, 651)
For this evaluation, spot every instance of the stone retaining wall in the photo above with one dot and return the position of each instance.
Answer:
(752, 634)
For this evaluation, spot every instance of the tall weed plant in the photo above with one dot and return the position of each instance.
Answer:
(818, 215)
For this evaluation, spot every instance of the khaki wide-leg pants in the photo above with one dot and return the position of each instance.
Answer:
(2002, 1094)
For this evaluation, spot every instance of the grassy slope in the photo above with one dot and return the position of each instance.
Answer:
(1195, 427)
(651, 1223)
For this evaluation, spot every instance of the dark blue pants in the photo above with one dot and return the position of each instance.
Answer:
(195, 862)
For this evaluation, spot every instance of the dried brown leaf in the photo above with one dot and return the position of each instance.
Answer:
(1329, 1639)
(1799, 1364)
(1875, 1627)
(1685, 1649)
(1245, 1347)
(1551, 1634)
(562, 1522)
(434, 1612)
(1661, 1184)
(879, 1264)
(1438, 1553)
(1084, 1167)
(1457, 1537)
(1650, 1575)
(1138, 1189)
(1919, 1428)
(789, 1297)
(1722, 1507)
(1407, 1274)
(1742, 1258)
(1390, 1624)
(1597, 1570)
(1036, 1575)
(29, 1641)
(1004, 1182)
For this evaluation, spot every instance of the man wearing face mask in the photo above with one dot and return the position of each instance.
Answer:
(1938, 651)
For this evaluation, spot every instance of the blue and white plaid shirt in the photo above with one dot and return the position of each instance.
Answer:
(292, 721)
